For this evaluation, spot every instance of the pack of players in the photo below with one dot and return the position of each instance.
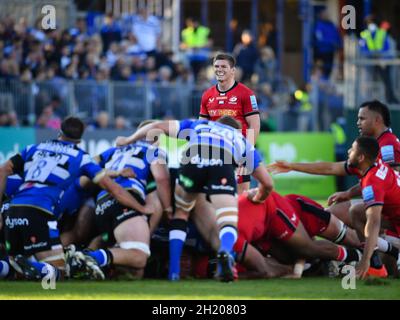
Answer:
(67, 215)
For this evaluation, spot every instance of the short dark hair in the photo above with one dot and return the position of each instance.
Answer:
(369, 147)
(225, 56)
(380, 108)
(229, 121)
(72, 128)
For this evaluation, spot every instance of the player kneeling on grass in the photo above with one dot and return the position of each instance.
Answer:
(31, 232)
(380, 190)
(209, 161)
(126, 230)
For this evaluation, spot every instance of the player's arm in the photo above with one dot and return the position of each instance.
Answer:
(203, 114)
(349, 194)
(371, 233)
(119, 193)
(253, 131)
(150, 132)
(321, 168)
(265, 184)
(161, 176)
(255, 262)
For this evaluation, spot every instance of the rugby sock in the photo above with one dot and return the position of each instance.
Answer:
(375, 261)
(387, 247)
(45, 268)
(4, 269)
(177, 238)
(348, 254)
(228, 237)
(101, 257)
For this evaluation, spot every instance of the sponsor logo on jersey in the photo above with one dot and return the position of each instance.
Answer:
(221, 102)
(211, 99)
(222, 98)
(11, 223)
(101, 208)
(223, 112)
(368, 194)
(201, 162)
(36, 245)
(233, 99)
(253, 102)
(387, 153)
(225, 188)
(187, 182)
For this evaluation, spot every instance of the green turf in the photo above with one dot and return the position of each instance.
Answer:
(308, 288)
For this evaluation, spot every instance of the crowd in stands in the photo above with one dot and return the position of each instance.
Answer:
(129, 49)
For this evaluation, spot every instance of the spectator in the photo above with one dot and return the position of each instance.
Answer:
(110, 32)
(327, 41)
(246, 54)
(265, 67)
(375, 44)
(54, 104)
(196, 42)
(121, 123)
(49, 119)
(102, 121)
(146, 29)
(8, 118)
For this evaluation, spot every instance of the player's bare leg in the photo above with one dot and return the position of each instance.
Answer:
(156, 216)
(205, 220)
(337, 232)
(341, 210)
(305, 247)
(243, 187)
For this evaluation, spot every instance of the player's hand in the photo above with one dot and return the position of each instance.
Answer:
(362, 269)
(279, 166)
(253, 195)
(148, 209)
(338, 197)
(127, 173)
(121, 141)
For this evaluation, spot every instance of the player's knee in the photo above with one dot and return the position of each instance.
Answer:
(227, 216)
(139, 253)
(341, 234)
(184, 205)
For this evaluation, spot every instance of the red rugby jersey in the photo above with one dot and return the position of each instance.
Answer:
(238, 102)
(380, 185)
(389, 148)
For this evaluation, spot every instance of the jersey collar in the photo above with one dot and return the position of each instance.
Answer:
(234, 85)
(388, 130)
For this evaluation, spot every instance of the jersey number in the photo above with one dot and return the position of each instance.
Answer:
(40, 170)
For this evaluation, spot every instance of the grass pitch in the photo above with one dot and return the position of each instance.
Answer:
(306, 288)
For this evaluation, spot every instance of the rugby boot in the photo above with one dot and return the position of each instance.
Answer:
(226, 271)
(22, 266)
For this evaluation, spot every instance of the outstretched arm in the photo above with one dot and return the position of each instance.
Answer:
(322, 168)
(150, 132)
(371, 233)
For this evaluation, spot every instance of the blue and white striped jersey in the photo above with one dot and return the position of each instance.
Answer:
(12, 185)
(210, 133)
(48, 169)
(72, 199)
(137, 156)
